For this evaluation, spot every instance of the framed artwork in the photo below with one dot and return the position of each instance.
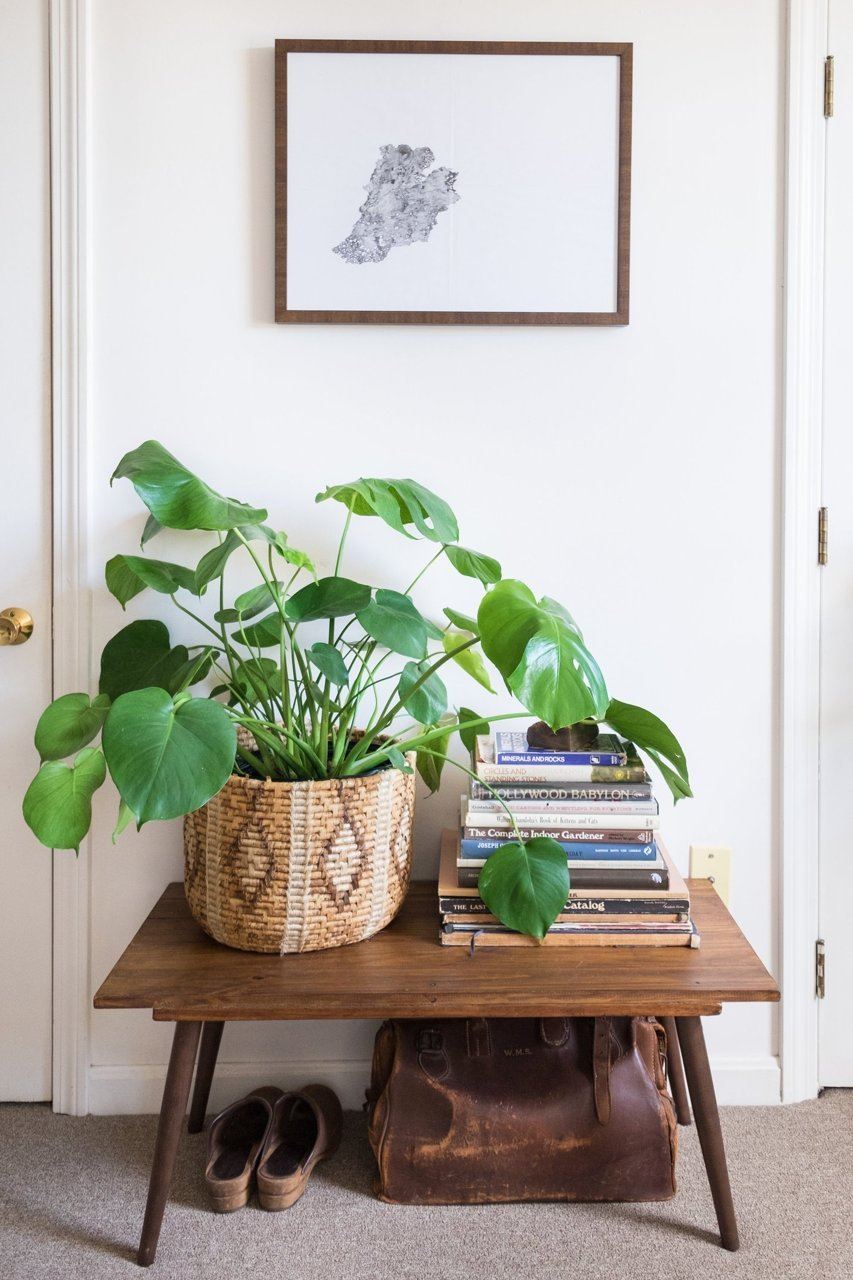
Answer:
(447, 182)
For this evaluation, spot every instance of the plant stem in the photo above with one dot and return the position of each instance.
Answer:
(387, 714)
(343, 540)
(429, 562)
(415, 744)
(473, 775)
(272, 587)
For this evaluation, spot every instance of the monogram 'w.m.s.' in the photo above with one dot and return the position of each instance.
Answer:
(472, 1111)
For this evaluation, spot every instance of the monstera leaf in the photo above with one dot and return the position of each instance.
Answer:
(126, 576)
(526, 884)
(69, 723)
(423, 695)
(58, 803)
(327, 598)
(139, 656)
(649, 733)
(541, 655)
(392, 619)
(328, 661)
(430, 760)
(468, 659)
(402, 504)
(176, 498)
(473, 564)
(168, 757)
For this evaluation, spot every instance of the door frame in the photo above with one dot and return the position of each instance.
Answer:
(69, 85)
(802, 401)
(801, 391)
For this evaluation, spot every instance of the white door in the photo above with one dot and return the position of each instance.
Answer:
(25, 554)
(836, 751)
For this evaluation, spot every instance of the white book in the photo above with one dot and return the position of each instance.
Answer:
(580, 808)
(590, 864)
(558, 821)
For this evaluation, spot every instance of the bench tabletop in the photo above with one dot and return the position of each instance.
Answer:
(174, 969)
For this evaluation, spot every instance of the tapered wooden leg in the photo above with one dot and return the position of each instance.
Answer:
(172, 1112)
(210, 1039)
(675, 1071)
(707, 1117)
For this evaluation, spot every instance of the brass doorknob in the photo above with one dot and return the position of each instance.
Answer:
(16, 626)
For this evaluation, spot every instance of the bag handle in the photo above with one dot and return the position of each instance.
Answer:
(432, 1055)
(601, 1069)
(479, 1037)
(552, 1031)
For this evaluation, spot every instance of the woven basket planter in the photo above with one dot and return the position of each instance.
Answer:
(300, 866)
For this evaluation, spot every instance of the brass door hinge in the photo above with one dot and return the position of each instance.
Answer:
(829, 87)
(823, 535)
(820, 969)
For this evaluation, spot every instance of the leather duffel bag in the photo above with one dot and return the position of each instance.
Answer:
(476, 1111)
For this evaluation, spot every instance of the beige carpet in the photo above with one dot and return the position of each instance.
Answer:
(72, 1194)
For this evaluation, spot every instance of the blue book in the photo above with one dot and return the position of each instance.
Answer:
(575, 852)
(511, 748)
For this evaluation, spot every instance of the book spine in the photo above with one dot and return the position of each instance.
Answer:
(591, 812)
(561, 773)
(539, 760)
(592, 878)
(557, 821)
(651, 924)
(546, 791)
(573, 849)
(589, 906)
(570, 835)
(489, 938)
(581, 928)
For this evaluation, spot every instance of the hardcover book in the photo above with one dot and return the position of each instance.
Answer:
(511, 748)
(581, 813)
(659, 881)
(587, 906)
(612, 875)
(594, 792)
(486, 768)
(574, 849)
(558, 936)
(603, 821)
(578, 835)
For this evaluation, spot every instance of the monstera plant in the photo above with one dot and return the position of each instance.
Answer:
(333, 677)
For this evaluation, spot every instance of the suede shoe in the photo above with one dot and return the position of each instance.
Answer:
(306, 1128)
(234, 1143)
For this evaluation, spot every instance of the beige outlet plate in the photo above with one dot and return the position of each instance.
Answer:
(712, 862)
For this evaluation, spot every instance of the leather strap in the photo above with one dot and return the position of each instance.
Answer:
(479, 1038)
(601, 1069)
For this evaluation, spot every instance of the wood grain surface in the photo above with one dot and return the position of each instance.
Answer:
(173, 968)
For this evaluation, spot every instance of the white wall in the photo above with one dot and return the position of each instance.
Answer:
(632, 473)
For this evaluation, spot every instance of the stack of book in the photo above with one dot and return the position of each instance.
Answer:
(598, 805)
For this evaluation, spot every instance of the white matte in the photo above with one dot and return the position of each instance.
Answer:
(535, 142)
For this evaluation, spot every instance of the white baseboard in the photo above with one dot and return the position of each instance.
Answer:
(137, 1090)
(747, 1082)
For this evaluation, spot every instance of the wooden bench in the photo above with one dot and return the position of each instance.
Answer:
(174, 969)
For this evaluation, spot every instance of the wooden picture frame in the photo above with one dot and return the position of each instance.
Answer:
(288, 313)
